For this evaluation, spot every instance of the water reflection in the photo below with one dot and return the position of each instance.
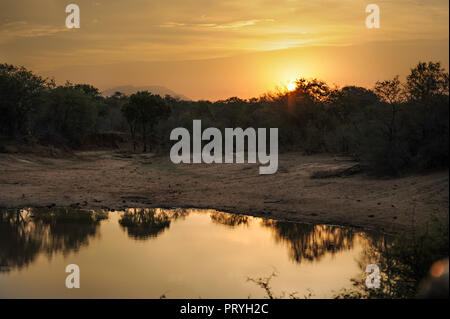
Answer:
(311, 242)
(176, 250)
(305, 242)
(146, 223)
(28, 232)
(25, 233)
(231, 220)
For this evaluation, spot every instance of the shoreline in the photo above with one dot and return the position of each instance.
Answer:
(116, 180)
(366, 229)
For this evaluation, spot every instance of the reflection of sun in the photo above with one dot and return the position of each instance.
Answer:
(291, 86)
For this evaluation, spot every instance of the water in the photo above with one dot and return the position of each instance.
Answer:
(179, 253)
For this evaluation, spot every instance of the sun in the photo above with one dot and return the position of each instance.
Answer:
(291, 86)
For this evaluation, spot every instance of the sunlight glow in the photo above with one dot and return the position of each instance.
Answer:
(291, 86)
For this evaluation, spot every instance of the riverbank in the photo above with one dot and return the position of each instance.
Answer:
(116, 180)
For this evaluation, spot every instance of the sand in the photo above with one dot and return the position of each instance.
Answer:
(117, 180)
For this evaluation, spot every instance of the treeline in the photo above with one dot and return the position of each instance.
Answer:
(393, 128)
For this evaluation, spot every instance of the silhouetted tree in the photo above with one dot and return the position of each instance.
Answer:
(427, 80)
(146, 109)
(20, 93)
(69, 114)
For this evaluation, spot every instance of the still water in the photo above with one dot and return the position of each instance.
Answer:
(176, 253)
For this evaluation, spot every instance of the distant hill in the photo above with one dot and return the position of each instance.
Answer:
(154, 89)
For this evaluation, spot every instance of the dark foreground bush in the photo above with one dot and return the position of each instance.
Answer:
(404, 261)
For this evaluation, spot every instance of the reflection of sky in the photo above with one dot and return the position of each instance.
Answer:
(194, 257)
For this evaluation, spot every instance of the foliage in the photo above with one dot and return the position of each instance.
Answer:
(68, 114)
(404, 261)
(392, 129)
(144, 110)
(20, 92)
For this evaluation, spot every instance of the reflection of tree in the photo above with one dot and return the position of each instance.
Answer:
(146, 223)
(311, 242)
(26, 233)
(232, 220)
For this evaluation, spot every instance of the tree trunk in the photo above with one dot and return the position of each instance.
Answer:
(133, 135)
(144, 136)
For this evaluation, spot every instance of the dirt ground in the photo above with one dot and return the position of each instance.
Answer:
(115, 180)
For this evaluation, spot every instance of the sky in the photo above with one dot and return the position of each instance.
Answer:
(211, 49)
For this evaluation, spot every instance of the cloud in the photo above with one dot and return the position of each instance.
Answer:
(141, 31)
(22, 29)
(230, 25)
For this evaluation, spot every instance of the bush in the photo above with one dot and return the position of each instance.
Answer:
(404, 261)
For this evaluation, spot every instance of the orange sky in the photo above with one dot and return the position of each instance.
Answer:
(217, 49)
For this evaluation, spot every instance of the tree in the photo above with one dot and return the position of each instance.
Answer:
(427, 80)
(112, 118)
(20, 93)
(131, 114)
(427, 88)
(89, 90)
(146, 109)
(390, 92)
(70, 114)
